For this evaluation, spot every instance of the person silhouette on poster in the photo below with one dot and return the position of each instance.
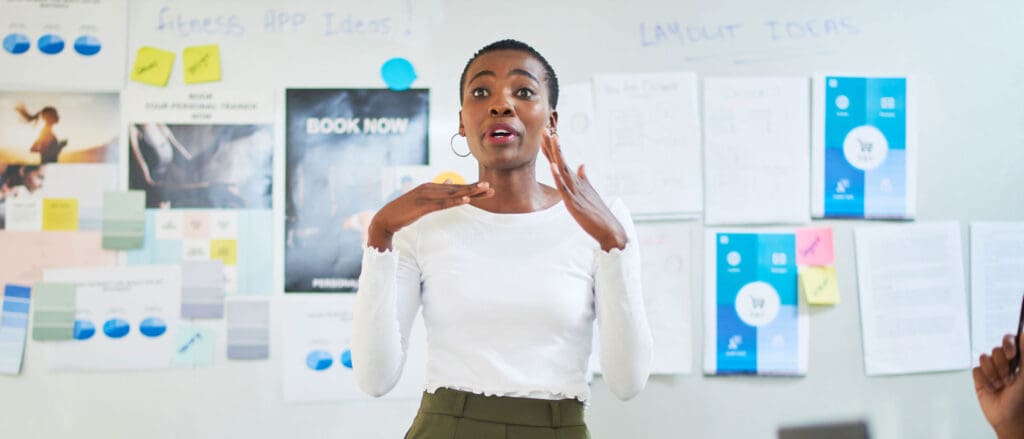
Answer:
(46, 144)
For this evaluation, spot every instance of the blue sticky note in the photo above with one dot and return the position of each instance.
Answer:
(398, 73)
(194, 346)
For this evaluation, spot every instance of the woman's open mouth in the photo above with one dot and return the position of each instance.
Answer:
(501, 134)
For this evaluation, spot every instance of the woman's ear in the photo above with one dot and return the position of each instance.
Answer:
(462, 128)
(553, 123)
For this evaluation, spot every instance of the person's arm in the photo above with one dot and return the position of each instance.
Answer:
(386, 306)
(626, 341)
(1001, 390)
(133, 140)
(389, 284)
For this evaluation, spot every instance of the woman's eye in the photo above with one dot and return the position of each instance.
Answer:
(479, 93)
(525, 93)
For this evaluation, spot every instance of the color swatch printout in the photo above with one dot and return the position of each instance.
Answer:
(124, 220)
(126, 318)
(202, 289)
(53, 312)
(248, 323)
(755, 322)
(13, 328)
(864, 146)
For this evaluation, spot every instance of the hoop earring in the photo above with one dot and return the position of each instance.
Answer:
(451, 144)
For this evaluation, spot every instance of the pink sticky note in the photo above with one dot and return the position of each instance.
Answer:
(814, 246)
(197, 225)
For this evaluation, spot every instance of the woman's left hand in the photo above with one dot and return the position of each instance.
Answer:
(582, 201)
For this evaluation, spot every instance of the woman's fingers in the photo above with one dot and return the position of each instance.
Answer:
(485, 194)
(545, 147)
(568, 177)
(988, 370)
(980, 381)
(1001, 364)
(455, 190)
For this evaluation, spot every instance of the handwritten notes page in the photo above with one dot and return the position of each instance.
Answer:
(647, 133)
(575, 132)
(997, 282)
(757, 150)
(666, 279)
(913, 305)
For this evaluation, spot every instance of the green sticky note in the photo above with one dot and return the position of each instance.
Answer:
(194, 346)
(152, 66)
(202, 64)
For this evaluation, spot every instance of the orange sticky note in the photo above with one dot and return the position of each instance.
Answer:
(152, 66)
(60, 214)
(202, 64)
(449, 175)
(820, 285)
(225, 250)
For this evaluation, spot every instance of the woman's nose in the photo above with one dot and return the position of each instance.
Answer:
(501, 108)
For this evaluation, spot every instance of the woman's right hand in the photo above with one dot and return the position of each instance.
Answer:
(413, 205)
(1001, 390)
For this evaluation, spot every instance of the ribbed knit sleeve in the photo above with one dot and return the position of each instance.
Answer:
(626, 341)
(386, 306)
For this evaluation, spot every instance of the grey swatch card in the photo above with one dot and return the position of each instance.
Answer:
(248, 323)
(202, 289)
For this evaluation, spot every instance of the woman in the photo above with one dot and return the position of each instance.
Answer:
(21, 180)
(510, 273)
(46, 144)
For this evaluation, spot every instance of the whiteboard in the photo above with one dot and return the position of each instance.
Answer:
(963, 56)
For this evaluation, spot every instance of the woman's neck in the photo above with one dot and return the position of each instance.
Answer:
(515, 191)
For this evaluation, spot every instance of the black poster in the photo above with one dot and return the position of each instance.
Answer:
(338, 141)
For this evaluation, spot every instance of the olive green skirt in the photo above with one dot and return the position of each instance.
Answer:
(452, 414)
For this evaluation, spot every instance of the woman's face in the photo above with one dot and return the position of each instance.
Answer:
(34, 179)
(505, 109)
(49, 115)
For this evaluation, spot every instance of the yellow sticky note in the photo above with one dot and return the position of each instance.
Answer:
(820, 285)
(202, 64)
(60, 214)
(152, 66)
(225, 250)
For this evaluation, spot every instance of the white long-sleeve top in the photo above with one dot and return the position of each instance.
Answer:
(508, 303)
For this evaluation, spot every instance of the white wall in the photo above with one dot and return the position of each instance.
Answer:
(969, 75)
